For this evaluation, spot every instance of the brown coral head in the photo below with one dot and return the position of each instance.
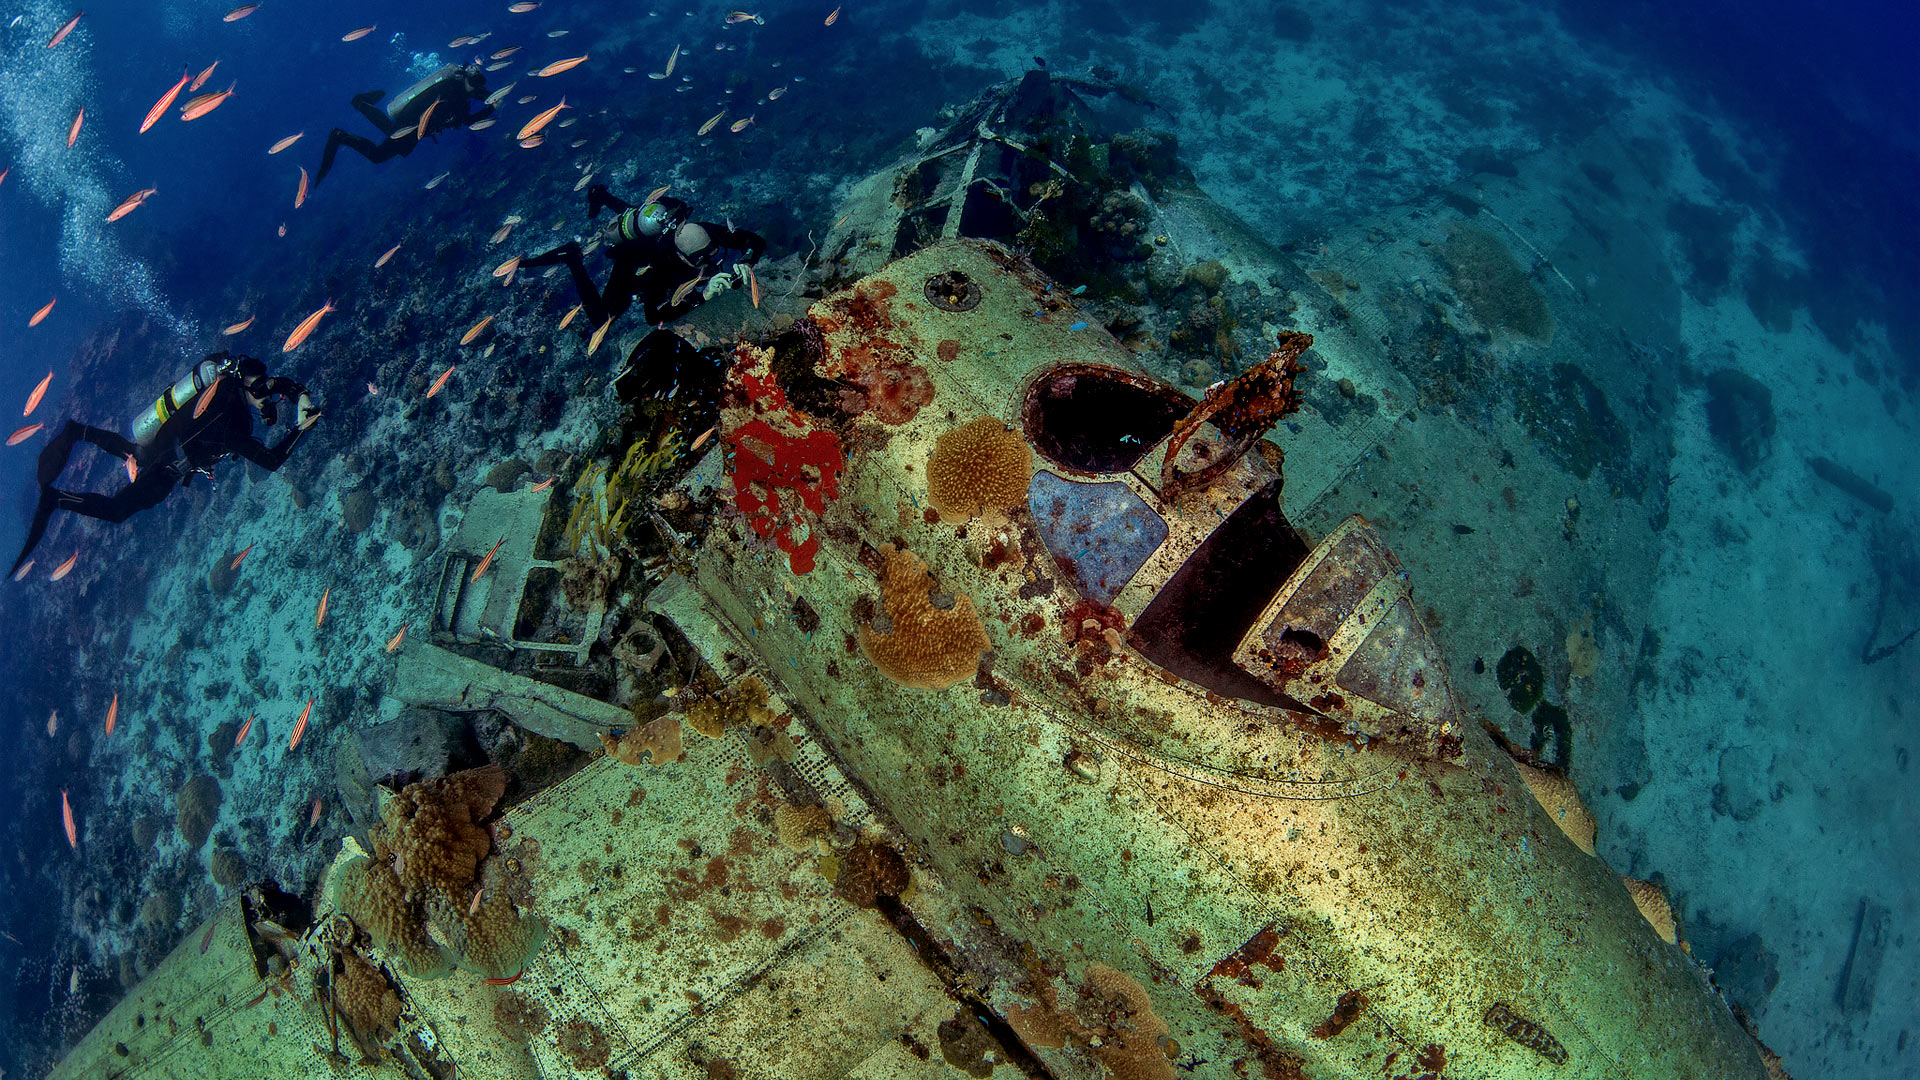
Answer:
(978, 467)
(922, 645)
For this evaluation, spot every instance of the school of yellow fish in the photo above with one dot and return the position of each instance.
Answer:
(530, 134)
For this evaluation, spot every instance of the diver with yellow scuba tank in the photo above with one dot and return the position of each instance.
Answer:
(442, 100)
(201, 420)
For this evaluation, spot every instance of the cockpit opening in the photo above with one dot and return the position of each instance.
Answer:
(1089, 418)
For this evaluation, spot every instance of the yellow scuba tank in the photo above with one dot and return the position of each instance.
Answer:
(401, 108)
(146, 427)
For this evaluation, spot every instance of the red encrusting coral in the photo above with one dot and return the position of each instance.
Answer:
(777, 450)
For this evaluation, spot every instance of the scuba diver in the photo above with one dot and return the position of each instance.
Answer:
(670, 263)
(449, 93)
(203, 419)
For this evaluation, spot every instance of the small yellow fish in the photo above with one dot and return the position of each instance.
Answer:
(702, 440)
(382, 260)
(585, 178)
(568, 317)
(131, 203)
(598, 335)
(739, 126)
(533, 126)
(541, 486)
(240, 558)
(507, 267)
(831, 17)
(286, 142)
(306, 327)
(467, 338)
(776, 93)
(711, 121)
(559, 66)
(205, 103)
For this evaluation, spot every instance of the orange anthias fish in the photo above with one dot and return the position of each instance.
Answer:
(598, 336)
(66, 808)
(559, 66)
(130, 204)
(507, 267)
(382, 260)
(686, 287)
(306, 327)
(40, 391)
(831, 16)
(206, 397)
(244, 728)
(300, 728)
(313, 818)
(568, 317)
(64, 568)
(166, 99)
(356, 35)
(73, 133)
(20, 575)
(486, 563)
(66, 28)
(23, 434)
(541, 486)
(467, 338)
(753, 287)
(533, 126)
(420, 129)
(320, 613)
(113, 713)
(237, 559)
(200, 80)
(440, 382)
(286, 142)
(239, 326)
(701, 440)
(300, 193)
(394, 641)
(42, 313)
(205, 103)
(133, 469)
(240, 12)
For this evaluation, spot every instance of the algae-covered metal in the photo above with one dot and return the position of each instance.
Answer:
(1222, 817)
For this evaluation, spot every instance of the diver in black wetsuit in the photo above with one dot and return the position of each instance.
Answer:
(449, 92)
(670, 263)
(175, 439)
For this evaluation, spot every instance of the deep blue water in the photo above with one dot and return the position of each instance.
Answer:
(1827, 97)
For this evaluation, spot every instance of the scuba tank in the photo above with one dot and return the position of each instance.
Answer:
(146, 427)
(398, 109)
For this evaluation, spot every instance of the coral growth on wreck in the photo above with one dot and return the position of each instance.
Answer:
(978, 467)
(1561, 800)
(779, 463)
(924, 645)
(427, 857)
(658, 740)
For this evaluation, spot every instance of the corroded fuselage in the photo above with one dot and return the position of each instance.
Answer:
(1169, 832)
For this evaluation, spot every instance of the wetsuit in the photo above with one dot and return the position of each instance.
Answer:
(183, 445)
(649, 268)
(455, 89)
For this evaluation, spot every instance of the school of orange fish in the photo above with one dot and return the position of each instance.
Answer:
(529, 135)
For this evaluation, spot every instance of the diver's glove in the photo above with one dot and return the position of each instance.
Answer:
(716, 285)
(305, 414)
